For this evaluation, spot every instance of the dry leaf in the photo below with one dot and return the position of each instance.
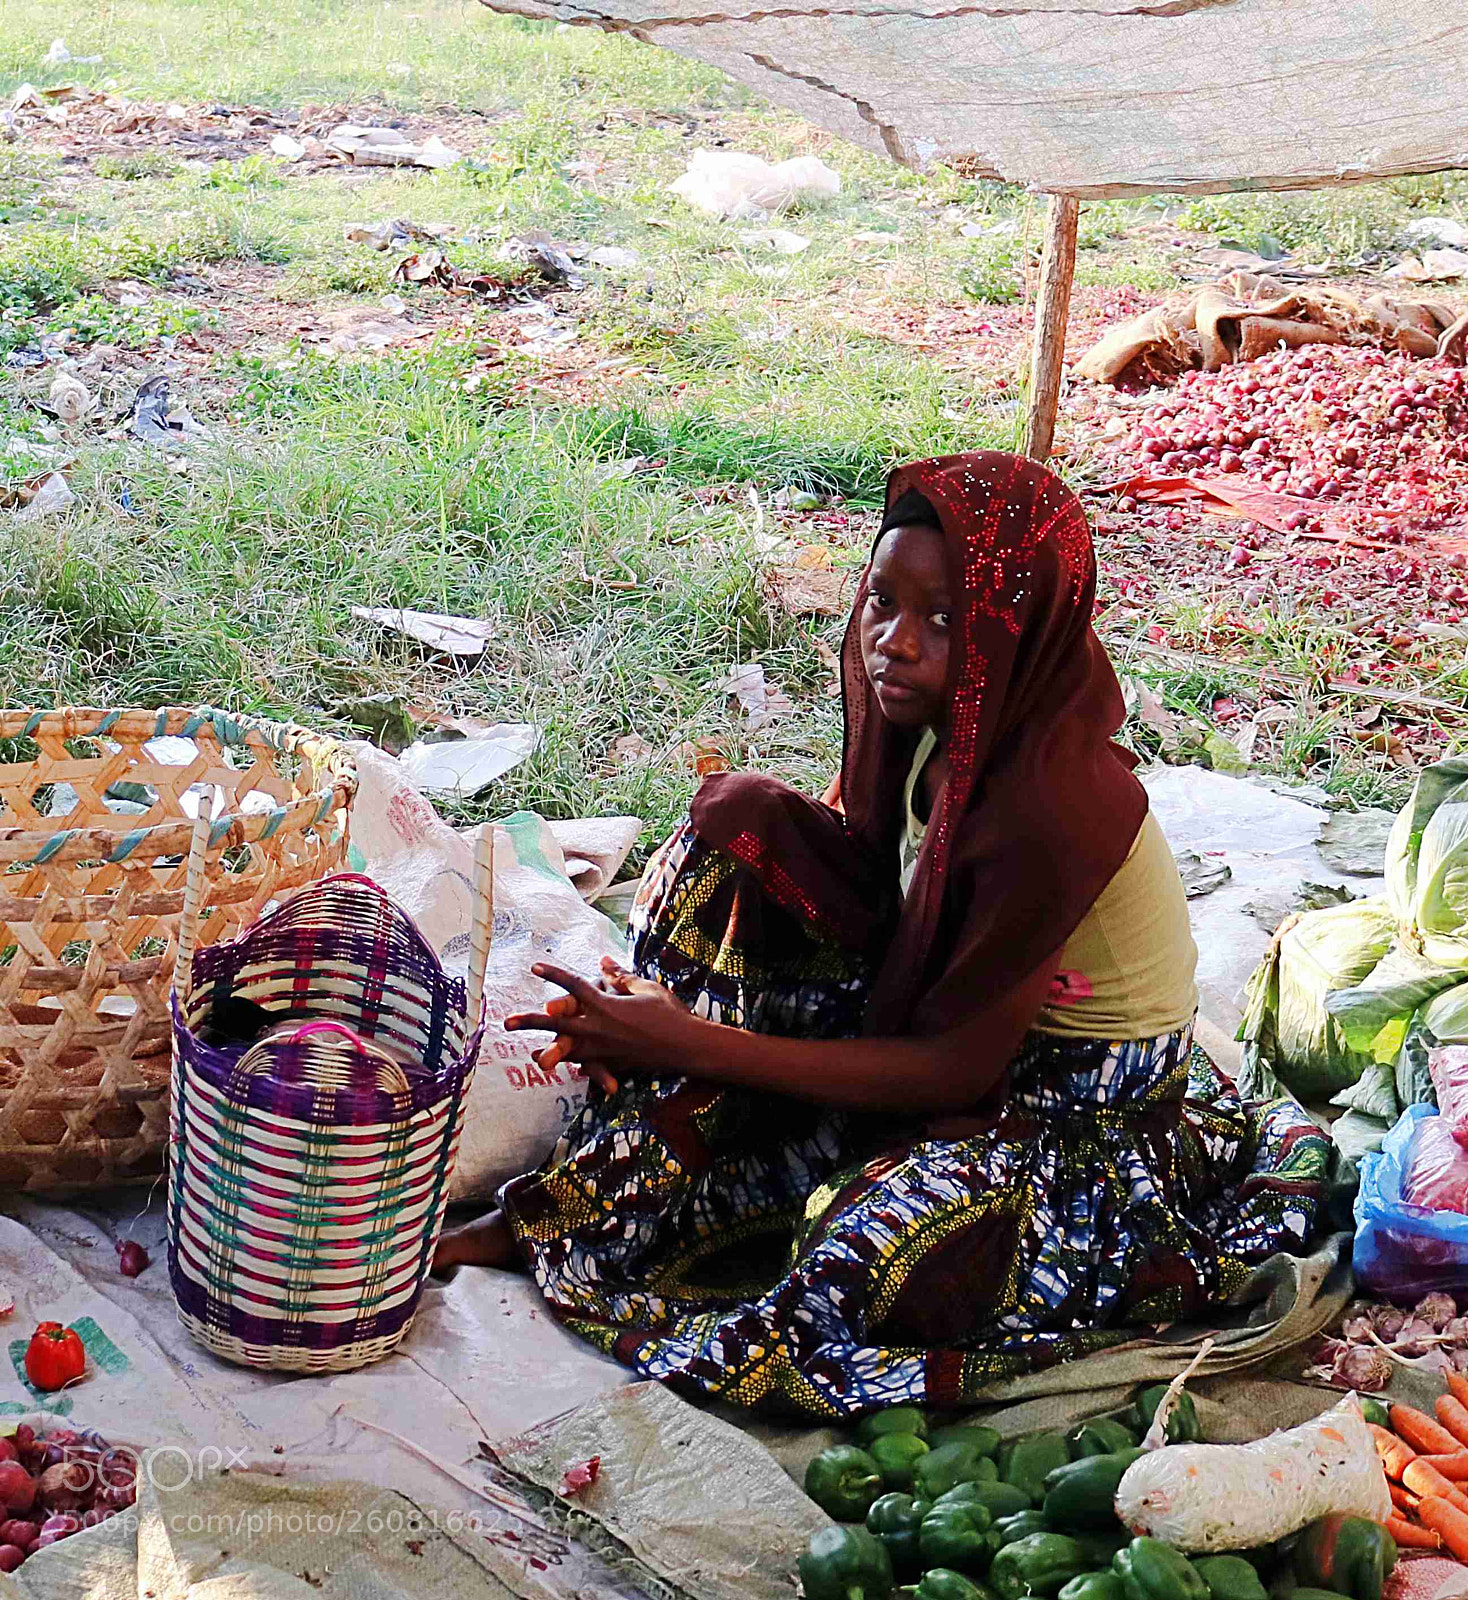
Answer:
(809, 584)
(632, 750)
(761, 704)
(832, 662)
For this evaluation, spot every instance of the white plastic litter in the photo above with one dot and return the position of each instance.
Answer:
(460, 768)
(455, 636)
(1266, 839)
(286, 148)
(516, 1111)
(729, 183)
(780, 240)
(1237, 1496)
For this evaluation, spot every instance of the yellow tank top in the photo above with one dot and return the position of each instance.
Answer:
(1127, 972)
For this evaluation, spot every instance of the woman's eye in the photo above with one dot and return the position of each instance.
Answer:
(941, 618)
(878, 598)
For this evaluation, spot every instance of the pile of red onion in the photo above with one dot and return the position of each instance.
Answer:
(1349, 428)
(53, 1486)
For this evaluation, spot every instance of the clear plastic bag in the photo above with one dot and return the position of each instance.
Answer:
(1436, 1175)
(1404, 1250)
(1448, 1068)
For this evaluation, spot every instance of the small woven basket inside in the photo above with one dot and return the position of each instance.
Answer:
(97, 814)
(311, 1162)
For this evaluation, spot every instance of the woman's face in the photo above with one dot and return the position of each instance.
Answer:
(905, 626)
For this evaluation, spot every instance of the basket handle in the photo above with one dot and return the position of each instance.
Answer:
(188, 922)
(308, 1028)
(481, 932)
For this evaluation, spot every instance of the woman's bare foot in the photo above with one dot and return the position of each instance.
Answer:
(485, 1242)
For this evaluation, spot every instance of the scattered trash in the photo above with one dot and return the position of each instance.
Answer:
(1432, 266)
(1437, 231)
(462, 768)
(51, 497)
(1355, 841)
(388, 147)
(286, 148)
(58, 56)
(874, 236)
(398, 231)
(614, 258)
(537, 249)
(729, 183)
(70, 398)
(427, 266)
(760, 703)
(455, 636)
(1201, 876)
(154, 422)
(782, 242)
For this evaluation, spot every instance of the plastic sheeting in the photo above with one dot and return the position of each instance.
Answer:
(1095, 97)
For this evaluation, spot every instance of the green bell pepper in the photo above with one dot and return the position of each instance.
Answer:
(953, 1536)
(1347, 1554)
(895, 1520)
(1000, 1500)
(1230, 1578)
(1151, 1570)
(1082, 1494)
(984, 1439)
(1034, 1459)
(1100, 1437)
(1040, 1565)
(895, 1455)
(1010, 1530)
(941, 1583)
(1101, 1548)
(1093, 1586)
(1375, 1412)
(1182, 1425)
(843, 1481)
(949, 1465)
(895, 1419)
(845, 1564)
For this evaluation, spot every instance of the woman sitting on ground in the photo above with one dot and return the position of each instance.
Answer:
(901, 1097)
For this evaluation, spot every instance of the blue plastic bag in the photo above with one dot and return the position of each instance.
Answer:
(1404, 1251)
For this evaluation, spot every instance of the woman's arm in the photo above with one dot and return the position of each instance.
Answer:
(647, 1030)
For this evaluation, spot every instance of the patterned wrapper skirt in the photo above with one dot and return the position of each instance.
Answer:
(776, 1254)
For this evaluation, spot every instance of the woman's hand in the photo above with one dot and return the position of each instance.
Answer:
(623, 1019)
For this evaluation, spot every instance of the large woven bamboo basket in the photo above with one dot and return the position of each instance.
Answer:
(97, 813)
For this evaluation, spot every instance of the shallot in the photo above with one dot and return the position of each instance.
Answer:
(132, 1258)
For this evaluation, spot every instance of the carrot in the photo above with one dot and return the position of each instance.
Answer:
(1454, 1468)
(1401, 1498)
(1396, 1455)
(1428, 1481)
(1449, 1521)
(1410, 1536)
(1453, 1415)
(1458, 1385)
(1422, 1433)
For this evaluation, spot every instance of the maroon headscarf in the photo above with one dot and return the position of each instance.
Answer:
(1040, 807)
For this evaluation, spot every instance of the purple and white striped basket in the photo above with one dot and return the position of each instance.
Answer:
(310, 1165)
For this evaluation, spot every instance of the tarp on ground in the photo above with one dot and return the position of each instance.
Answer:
(1094, 98)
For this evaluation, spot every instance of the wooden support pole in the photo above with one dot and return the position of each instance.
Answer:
(1057, 273)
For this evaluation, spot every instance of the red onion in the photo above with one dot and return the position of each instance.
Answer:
(131, 1258)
